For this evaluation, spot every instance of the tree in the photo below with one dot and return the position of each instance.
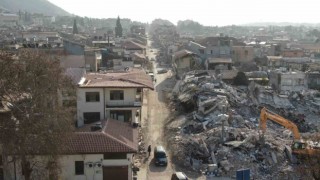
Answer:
(118, 28)
(75, 27)
(34, 123)
(240, 79)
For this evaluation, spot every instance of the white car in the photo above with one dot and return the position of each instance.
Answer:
(179, 176)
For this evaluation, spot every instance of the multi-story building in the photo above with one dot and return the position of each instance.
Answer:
(313, 79)
(293, 63)
(216, 50)
(116, 95)
(242, 54)
(292, 53)
(288, 81)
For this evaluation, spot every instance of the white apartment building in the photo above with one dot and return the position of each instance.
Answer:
(115, 95)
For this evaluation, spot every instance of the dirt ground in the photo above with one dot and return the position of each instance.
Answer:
(153, 127)
(156, 116)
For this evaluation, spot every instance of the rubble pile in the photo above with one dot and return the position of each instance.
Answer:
(140, 156)
(303, 108)
(221, 130)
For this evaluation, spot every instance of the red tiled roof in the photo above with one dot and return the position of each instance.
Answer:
(133, 78)
(183, 53)
(132, 45)
(115, 136)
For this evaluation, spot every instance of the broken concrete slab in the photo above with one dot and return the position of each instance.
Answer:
(274, 157)
(225, 164)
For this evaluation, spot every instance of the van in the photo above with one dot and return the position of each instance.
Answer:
(160, 156)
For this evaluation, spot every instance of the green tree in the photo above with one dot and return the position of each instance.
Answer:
(240, 79)
(75, 27)
(118, 28)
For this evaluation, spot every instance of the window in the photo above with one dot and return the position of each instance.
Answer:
(79, 167)
(211, 51)
(246, 52)
(90, 117)
(121, 115)
(92, 97)
(115, 156)
(116, 95)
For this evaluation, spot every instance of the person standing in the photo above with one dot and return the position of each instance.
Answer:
(149, 150)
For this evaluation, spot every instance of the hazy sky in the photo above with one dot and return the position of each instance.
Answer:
(206, 12)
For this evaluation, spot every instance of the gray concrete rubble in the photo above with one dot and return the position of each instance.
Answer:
(219, 128)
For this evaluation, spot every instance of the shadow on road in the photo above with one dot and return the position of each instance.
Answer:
(154, 168)
(163, 88)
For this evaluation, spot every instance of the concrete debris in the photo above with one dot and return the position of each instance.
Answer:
(288, 151)
(274, 157)
(225, 165)
(221, 133)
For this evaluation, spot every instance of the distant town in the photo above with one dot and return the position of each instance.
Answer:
(115, 99)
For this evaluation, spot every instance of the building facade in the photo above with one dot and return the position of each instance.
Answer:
(242, 54)
(94, 152)
(288, 81)
(111, 95)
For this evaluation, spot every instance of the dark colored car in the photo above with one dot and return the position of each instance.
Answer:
(162, 71)
(160, 156)
(179, 176)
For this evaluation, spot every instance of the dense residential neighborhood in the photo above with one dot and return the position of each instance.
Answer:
(115, 99)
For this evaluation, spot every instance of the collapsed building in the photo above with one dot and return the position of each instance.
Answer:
(219, 131)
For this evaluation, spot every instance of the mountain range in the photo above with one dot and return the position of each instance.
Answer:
(33, 6)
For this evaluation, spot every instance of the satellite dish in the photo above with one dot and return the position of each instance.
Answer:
(98, 164)
(90, 165)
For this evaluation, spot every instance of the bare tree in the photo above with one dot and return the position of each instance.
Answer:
(34, 123)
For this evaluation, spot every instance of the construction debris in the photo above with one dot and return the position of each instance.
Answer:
(221, 130)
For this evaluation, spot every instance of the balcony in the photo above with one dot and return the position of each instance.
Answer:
(136, 103)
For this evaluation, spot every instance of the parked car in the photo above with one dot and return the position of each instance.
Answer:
(179, 176)
(162, 71)
(160, 156)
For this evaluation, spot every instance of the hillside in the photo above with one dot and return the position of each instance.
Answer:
(34, 6)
